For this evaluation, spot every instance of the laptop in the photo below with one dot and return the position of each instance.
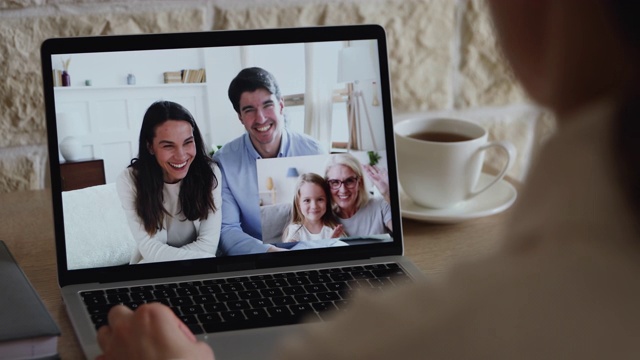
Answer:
(96, 92)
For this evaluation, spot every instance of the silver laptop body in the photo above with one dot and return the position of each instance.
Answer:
(96, 90)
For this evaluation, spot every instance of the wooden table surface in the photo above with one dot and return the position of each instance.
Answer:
(26, 226)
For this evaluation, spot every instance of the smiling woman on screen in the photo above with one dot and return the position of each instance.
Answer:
(358, 212)
(170, 192)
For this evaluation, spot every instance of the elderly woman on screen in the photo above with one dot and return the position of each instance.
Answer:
(358, 212)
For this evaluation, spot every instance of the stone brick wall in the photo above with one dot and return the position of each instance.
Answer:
(442, 53)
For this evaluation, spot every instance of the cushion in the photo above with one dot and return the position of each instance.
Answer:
(96, 229)
(275, 219)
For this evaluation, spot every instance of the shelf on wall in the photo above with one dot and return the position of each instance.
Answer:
(121, 87)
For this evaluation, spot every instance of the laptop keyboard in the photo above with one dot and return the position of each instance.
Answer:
(235, 303)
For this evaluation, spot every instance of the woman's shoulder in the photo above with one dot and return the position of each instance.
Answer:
(374, 205)
(215, 168)
(125, 182)
(376, 202)
(126, 172)
(125, 176)
(217, 174)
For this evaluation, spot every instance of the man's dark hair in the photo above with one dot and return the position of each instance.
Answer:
(252, 79)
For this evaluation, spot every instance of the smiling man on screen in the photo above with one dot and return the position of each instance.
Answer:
(255, 95)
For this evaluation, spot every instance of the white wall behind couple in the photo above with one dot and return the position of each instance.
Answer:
(110, 110)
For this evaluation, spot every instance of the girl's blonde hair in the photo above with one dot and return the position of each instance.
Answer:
(328, 218)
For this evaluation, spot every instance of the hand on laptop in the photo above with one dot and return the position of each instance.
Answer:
(151, 332)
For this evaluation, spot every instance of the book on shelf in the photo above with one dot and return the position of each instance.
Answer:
(172, 77)
(27, 330)
(57, 77)
(184, 76)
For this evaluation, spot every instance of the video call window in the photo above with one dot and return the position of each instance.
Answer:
(330, 91)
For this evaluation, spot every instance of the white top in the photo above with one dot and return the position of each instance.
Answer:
(370, 219)
(178, 240)
(297, 232)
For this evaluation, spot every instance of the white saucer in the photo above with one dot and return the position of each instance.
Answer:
(494, 200)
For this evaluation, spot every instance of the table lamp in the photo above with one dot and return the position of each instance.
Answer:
(292, 172)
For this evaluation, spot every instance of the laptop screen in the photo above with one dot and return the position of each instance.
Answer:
(305, 172)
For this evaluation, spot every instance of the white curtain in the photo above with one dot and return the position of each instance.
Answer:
(320, 73)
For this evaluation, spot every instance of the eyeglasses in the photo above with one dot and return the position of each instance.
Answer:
(349, 183)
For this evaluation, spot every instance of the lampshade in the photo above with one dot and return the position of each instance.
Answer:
(292, 172)
(355, 63)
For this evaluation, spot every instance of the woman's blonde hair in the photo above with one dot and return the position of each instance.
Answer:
(350, 161)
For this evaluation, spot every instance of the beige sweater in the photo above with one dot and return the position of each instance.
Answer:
(179, 239)
(566, 283)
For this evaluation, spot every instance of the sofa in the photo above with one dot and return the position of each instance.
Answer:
(274, 220)
(96, 229)
(97, 233)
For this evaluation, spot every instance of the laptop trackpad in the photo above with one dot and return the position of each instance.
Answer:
(249, 344)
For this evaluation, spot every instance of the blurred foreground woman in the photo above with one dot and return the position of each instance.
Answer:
(565, 283)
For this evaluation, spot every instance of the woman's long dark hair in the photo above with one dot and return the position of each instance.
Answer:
(196, 189)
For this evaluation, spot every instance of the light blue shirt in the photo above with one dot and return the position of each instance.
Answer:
(241, 231)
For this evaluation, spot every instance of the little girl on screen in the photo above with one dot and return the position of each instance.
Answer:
(311, 215)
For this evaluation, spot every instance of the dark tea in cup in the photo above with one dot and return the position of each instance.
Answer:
(440, 136)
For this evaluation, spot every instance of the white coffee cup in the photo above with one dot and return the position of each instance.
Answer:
(441, 159)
